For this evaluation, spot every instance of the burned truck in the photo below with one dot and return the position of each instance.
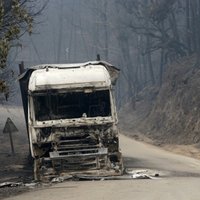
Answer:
(71, 119)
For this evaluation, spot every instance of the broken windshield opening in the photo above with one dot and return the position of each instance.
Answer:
(52, 106)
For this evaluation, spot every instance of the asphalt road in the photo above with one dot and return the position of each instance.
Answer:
(179, 179)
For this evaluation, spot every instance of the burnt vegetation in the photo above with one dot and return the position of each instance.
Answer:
(17, 17)
(165, 72)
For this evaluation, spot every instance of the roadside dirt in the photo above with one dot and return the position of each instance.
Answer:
(14, 168)
(192, 151)
(168, 116)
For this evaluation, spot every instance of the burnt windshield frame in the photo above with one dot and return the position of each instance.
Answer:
(52, 105)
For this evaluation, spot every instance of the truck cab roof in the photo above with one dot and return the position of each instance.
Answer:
(68, 77)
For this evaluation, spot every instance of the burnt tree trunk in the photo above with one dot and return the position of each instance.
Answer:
(161, 66)
(124, 45)
(188, 27)
(149, 61)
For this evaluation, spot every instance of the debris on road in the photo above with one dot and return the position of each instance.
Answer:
(142, 174)
(10, 184)
(128, 175)
(57, 180)
(19, 184)
(104, 178)
(31, 185)
(61, 179)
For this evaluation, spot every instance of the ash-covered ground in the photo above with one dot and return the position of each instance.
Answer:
(17, 167)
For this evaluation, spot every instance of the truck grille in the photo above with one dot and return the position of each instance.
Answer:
(78, 153)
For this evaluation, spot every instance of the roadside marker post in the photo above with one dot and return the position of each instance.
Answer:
(10, 128)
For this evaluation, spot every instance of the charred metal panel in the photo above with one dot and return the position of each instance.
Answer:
(74, 149)
(23, 82)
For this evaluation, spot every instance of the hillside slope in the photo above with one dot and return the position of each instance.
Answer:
(172, 115)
